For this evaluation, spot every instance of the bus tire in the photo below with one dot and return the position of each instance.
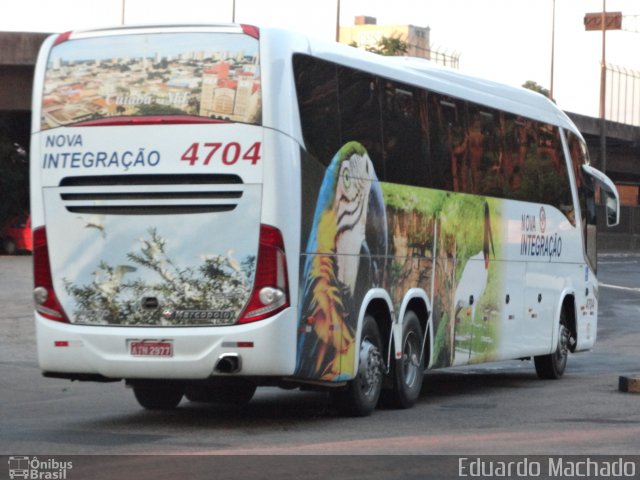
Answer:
(407, 372)
(158, 395)
(360, 397)
(553, 365)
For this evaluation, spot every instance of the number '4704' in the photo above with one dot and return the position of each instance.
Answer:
(227, 153)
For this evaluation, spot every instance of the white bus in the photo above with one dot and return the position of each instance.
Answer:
(221, 207)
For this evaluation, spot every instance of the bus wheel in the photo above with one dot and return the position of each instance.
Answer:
(361, 395)
(158, 395)
(552, 366)
(408, 371)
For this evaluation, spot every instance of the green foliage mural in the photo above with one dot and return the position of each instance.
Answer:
(220, 284)
(447, 234)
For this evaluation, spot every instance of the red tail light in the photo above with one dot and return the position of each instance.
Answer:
(251, 30)
(270, 293)
(47, 303)
(63, 37)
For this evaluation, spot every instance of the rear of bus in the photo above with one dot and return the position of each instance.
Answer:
(159, 253)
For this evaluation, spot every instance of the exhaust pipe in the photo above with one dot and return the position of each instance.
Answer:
(228, 363)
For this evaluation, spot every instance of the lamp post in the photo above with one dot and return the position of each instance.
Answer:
(603, 21)
(122, 17)
(338, 22)
(603, 82)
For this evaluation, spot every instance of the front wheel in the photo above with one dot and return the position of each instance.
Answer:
(553, 365)
(360, 397)
(158, 395)
(408, 371)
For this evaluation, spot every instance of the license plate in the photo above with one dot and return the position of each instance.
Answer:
(150, 348)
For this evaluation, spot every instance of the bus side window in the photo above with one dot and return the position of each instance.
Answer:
(405, 147)
(317, 92)
(360, 118)
(448, 143)
(485, 138)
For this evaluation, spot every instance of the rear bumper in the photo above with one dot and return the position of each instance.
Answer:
(266, 348)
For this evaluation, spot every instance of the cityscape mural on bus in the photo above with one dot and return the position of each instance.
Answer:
(198, 74)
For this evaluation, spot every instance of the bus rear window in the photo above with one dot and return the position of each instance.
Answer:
(205, 75)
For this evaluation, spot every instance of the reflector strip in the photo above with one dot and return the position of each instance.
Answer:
(237, 344)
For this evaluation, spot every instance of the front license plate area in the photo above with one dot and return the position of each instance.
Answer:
(151, 348)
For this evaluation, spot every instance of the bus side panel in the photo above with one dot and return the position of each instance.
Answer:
(486, 249)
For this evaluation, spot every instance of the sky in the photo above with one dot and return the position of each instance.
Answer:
(508, 41)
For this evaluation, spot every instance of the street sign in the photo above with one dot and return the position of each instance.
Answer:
(593, 21)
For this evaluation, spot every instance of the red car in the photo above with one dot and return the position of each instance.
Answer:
(15, 235)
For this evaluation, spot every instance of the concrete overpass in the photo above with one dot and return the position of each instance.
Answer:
(17, 60)
(623, 147)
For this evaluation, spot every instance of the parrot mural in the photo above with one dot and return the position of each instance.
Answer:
(345, 256)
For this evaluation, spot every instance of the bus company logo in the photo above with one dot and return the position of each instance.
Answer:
(543, 220)
(36, 469)
(535, 242)
(212, 317)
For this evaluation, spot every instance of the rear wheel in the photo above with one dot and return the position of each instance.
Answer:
(553, 365)
(361, 395)
(158, 395)
(408, 371)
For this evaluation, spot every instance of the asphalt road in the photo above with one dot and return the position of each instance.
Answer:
(493, 409)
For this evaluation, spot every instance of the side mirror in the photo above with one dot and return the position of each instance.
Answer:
(613, 210)
(612, 198)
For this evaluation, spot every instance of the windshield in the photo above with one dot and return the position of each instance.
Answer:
(210, 75)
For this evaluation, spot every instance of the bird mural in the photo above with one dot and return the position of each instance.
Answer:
(94, 222)
(345, 255)
(474, 279)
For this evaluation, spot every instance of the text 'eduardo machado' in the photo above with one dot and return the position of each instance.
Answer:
(558, 467)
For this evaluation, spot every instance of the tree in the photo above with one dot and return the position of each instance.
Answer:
(388, 46)
(531, 85)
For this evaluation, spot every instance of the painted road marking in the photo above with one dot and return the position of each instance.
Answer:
(619, 287)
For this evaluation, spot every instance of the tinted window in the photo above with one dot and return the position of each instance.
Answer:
(212, 75)
(359, 98)
(448, 143)
(404, 124)
(317, 89)
(422, 138)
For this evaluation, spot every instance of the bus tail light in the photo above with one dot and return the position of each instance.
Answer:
(63, 37)
(45, 298)
(270, 292)
(251, 30)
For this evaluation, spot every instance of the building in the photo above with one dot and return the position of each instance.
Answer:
(366, 33)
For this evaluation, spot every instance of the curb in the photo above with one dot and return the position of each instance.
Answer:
(629, 384)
